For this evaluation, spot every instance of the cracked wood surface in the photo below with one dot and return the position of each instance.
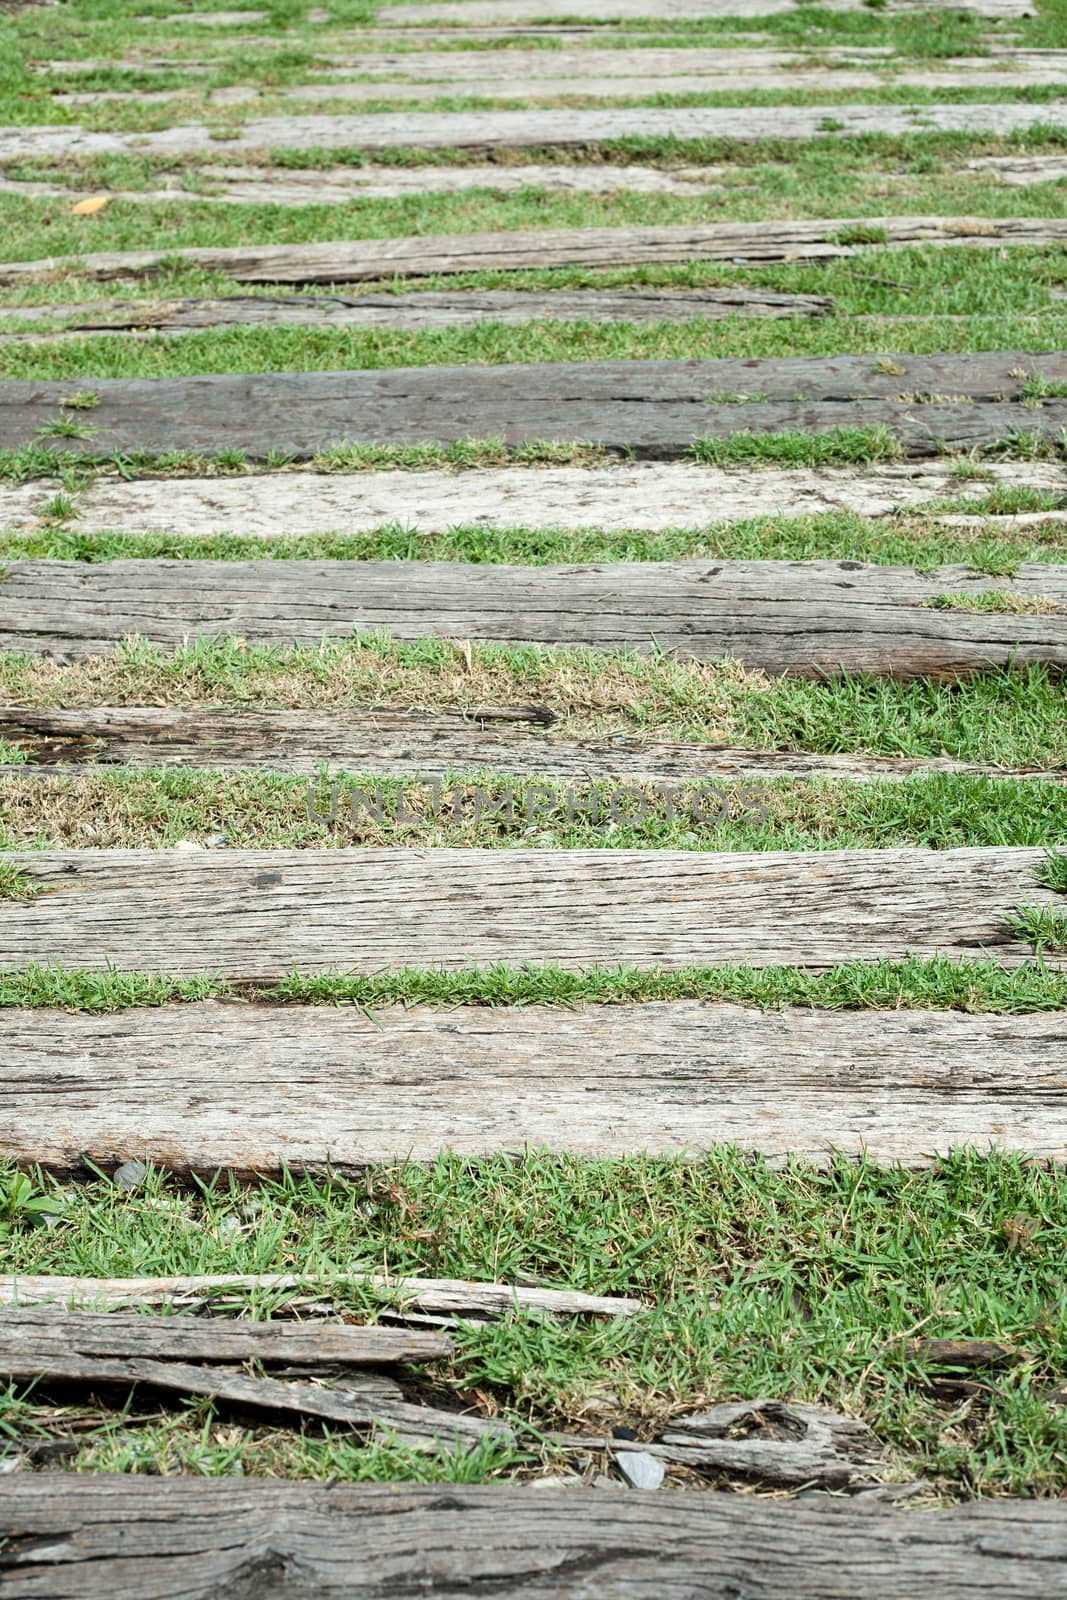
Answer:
(464, 12)
(405, 743)
(173, 1086)
(260, 915)
(614, 497)
(366, 260)
(48, 1331)
(654, 409)
(463, 308)
(79, 1537)
(537, 128)
(806, 619)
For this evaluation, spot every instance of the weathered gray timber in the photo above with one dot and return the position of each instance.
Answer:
(788, 1446)
(649, 408)
(121, 1537)
(449, 1297)
(286, 186)
(616, 497)
(367, 260)
(48, 1358)
(1021, 171)
(808, 619)
(537, 128)
(498, 11)
(173, 1086)
(404, 744)
(317, 1343)
(258, 915)
(464, 308)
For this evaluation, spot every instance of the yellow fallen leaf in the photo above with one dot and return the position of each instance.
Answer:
(89, 208)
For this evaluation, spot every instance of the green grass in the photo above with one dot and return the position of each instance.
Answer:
(797, 1283)
(134, 809)
(15, 884)
(1012, 719)
(993, 602)
(902, 540)
(913, 984)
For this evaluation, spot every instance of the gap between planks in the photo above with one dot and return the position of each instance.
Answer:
(80, 1537)
(812, 619)
(368, 260)
(172, 1086)
(649, 497)
(541, 129)
(258, 916)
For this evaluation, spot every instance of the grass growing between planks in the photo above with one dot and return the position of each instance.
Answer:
(899, 540)
(158, 809)
(1014, 719)
(913, 984)
(799, 1283)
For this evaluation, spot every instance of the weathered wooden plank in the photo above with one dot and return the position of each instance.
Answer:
(86, 1333)
(285, 186)
(501, 11)
(367, 260)
(463, 308)
(450, 1297)
(80, 1537)
(173, 1086)
(535, 128)
(618, 497)
(810, 619)
(1021, 171)
(651, 409)
(259, 915)
(403, 744)
(47, 1361)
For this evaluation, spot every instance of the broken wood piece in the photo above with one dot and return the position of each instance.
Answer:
(968, 1354)
(365, 260)
(80, 1536)
(257, 916)
(599, 1081)
(450, 1296)
(811, 619)
(785, 1444)
(110, 1334)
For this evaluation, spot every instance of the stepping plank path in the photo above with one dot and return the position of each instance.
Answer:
(251, 1088)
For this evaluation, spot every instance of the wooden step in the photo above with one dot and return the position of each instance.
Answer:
(253, 1089)
(502, 739)
(413, 256)
(615, 497)
(259, 915)
(495, 12)
(82, 1536)
(809, 619)
(538, 128)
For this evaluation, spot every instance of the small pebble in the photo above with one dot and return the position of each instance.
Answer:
(129, 1176)
(228, 1226)
(640, 1470)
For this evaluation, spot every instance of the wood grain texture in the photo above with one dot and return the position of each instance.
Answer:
(537, 128)
(653, 409)
(616, 497)
(316, 1343)
(368, 260)
(449, 1297)
(466, 308)
(254, 1089)
(413, 744)
(79, 1537)
(808, 619)
(260, 915)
